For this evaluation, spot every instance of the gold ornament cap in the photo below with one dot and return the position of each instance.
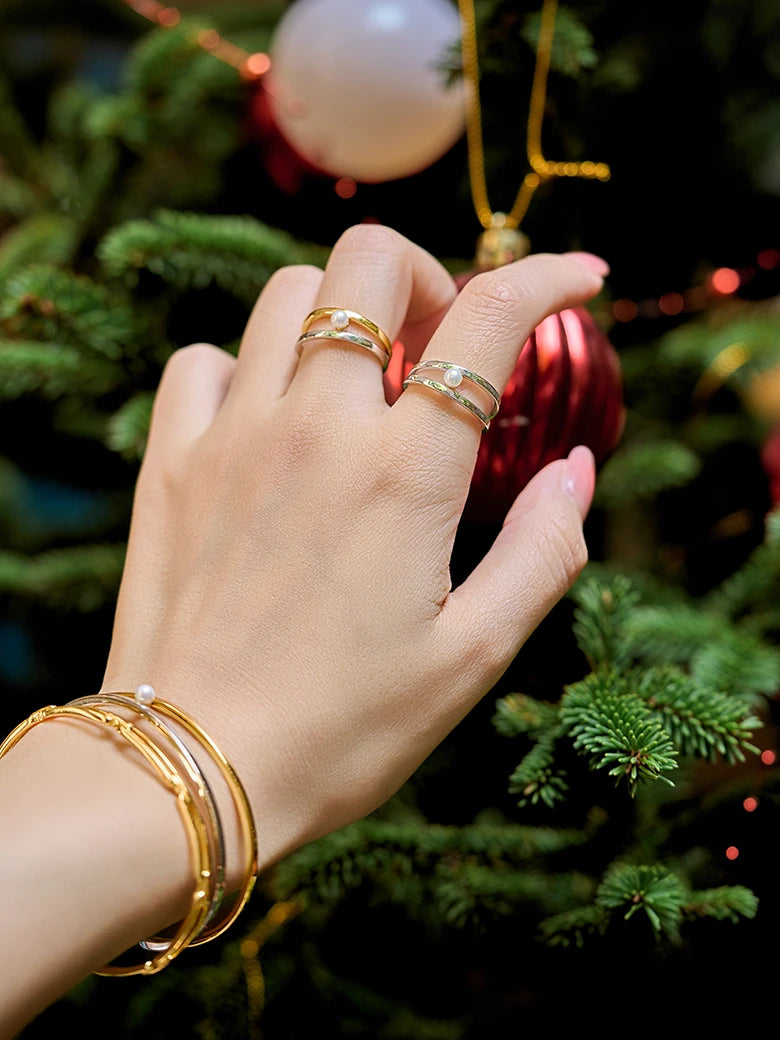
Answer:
(499, 244)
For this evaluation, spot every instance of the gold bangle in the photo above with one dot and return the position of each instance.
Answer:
(193, 823)
(199, 788)
(243, 809)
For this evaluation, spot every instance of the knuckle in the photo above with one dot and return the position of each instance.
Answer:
(491, 297)
(293, 276)
(195, 355)
(373, 239)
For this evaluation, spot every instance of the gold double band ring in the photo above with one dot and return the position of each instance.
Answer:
(341, 321)
(453, 382)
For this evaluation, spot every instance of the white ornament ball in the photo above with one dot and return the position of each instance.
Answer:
(357, 87)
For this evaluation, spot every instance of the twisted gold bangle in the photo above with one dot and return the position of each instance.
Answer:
(194, 824)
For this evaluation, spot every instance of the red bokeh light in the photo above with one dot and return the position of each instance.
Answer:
(768, 757)
(671, 303)
(169, 17)
(255, 66)
(345, 187)
(750, 804)
(625, 310)
(732, 852)
(724, 281)
(768, 259)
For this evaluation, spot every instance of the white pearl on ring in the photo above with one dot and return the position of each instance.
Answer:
(453, 377)
(339, 320)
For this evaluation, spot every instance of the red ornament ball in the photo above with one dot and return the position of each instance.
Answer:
(566, 389)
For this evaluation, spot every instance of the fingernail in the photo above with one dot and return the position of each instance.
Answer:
(592, 262)
(579, 477)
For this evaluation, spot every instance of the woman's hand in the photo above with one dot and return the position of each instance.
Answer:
(287, 579)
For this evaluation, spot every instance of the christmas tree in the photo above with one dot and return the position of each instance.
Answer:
(597, 839)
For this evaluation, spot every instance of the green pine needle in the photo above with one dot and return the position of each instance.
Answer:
(518, 713)
(190, 249)
(702, 722)
(43, 302)
(727, 903)
(603, 608)
(127, 429)
(617, 730)
(642, 470)
(652, 890)
(52, 370)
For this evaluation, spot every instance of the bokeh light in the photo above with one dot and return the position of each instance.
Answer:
(724, 281)
(345, 187)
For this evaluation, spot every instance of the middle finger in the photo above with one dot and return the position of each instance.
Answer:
(400, 288)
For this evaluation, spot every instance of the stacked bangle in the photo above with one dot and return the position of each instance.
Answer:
(199, 787)
(195, 803)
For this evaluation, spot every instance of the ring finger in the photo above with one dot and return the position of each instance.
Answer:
(479, 341)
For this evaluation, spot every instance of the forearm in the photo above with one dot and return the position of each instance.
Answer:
(94, 857)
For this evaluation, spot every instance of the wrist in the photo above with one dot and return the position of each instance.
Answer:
(98, 847)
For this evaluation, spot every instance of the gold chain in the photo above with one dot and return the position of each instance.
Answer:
(541, 169)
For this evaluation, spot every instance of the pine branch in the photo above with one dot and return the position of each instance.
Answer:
(738, 664)
(402, 860)
(51, 370)
(700, 345)
(41, 238)
(14, 573)
(642, 470)
(574, 927)
(471, 894)
(517, 713)
(756, 582)
(128, 428)
(727, 903)
(80, 166)
(603, 609)
(535, 778)
(82, 578)
(190, 249)
(180, 108)
(671, 634)
(701, 722)
(652, 890)
(617, 730)
(159, 57)
(43, 302)
(572, 49)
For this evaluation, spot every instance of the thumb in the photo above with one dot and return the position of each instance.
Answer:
(533, 562)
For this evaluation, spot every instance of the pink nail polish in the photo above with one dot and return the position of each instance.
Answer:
(592, 262)
(579, 477)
